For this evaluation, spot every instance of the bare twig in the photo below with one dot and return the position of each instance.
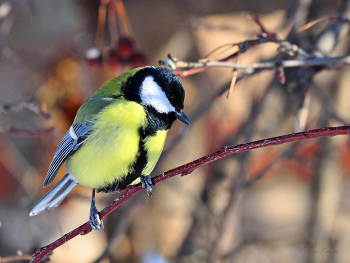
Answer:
(18, 106)
(15, 259)
(102, 11)
(122, 17)
(333, 19)
(27, 103)
(187, 169)
(189, 68)
(6, 128)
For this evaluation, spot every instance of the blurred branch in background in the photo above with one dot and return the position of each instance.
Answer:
(25, 104)
(28, 104)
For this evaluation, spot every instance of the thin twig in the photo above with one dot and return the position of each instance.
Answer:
(122, 17)
(6, 128)
(189, 68)
(14, 259)
(112, 25)
(102, 11)
(187, 169)
(195, 67)
(26, 103)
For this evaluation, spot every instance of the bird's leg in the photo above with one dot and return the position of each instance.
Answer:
(146, 182)
(95, 221)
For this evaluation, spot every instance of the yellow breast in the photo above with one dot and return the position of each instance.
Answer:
(113, 146)
(154, 146)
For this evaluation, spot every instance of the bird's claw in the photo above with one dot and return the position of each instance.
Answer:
(146, 182)
(94, 220)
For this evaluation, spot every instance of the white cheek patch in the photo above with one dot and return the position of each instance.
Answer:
(153, 95)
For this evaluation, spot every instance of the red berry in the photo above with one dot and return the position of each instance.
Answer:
(138, 60)
(115, 61)
(125, 47)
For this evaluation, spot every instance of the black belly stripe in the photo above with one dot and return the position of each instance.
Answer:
(156, 122)
(136, 168)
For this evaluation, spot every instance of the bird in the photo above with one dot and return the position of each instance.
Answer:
(117, 137)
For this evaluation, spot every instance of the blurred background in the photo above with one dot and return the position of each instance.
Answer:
(289, 203)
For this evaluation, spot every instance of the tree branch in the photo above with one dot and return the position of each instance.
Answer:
(10, 259)
(30, 105)
(187, 169)
(26, 103)
(6, 128)
(190, 68)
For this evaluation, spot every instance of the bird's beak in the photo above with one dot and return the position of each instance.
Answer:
(182, 117)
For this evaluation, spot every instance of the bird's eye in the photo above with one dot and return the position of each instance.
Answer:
(171, 97)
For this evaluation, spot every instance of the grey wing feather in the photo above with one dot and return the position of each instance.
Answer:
(74, 138)
(56, 195)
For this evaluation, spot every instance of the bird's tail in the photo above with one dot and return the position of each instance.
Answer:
(55, 196)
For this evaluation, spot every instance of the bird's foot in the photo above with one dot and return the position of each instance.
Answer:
(146, 182)
(94, 220)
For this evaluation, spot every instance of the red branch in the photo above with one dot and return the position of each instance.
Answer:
(338, 20)
(187, 169)
(188, 72)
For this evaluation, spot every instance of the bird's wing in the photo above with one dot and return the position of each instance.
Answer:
(74, 138)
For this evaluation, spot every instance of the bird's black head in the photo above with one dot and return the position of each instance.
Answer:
(160, 91)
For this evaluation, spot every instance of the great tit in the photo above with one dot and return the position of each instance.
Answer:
(117, 136)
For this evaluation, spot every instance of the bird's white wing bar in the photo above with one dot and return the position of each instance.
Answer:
(74, 138)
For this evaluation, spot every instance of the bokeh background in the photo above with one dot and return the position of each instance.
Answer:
(296, 210)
